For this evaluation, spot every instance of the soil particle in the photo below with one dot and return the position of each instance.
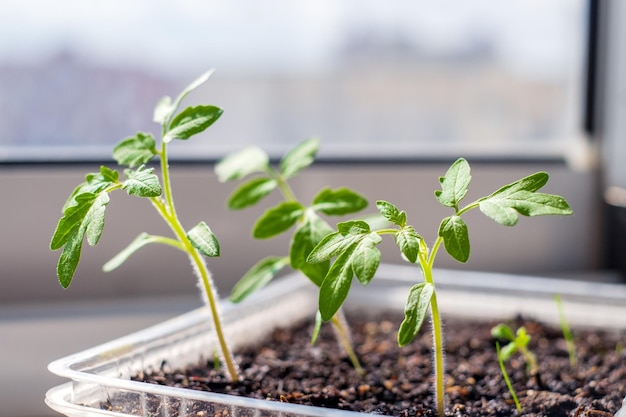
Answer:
(398, 381)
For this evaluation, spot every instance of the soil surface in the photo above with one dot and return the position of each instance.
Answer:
(398, 382)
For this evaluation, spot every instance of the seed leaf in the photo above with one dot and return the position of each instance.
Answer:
(502, 332)
(415, 310)
(251, 192)
(140, 241)
(336, 285)
(455, 236)
(391, 213)
(203, 239)
(339, 202)
(192, 121)
(454, 184)
(299, 157)
(239, 164)
(136, 150)
(142, 182)
(277, 219)
(308, 234)
(257, 277)
(408, 241)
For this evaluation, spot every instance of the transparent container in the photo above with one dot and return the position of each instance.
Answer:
(100, 377)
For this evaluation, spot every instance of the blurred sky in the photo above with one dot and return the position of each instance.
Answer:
(533, 36)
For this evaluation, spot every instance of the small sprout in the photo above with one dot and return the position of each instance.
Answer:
(567, 332)
(507, 380)
(518, 342)
(354, 249)
(310, 227)
(84, 211)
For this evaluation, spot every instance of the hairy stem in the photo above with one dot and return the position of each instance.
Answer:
(168, 211)
(437, 328)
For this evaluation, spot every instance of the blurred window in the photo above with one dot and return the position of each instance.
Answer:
(371, 79)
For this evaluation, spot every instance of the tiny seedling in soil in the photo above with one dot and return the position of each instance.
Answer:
(310, 228)
(567, 332)
(507, 380)
(84, 211)
(517, 342)
(354, 248)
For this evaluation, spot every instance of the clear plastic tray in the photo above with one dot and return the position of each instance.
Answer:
(100, 377)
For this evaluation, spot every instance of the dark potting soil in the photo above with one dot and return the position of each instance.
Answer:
(398, 381)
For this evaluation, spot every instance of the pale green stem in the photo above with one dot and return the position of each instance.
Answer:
(530, 359)
(168, 212)
(285, 189)
(343, 335)
(507, 380)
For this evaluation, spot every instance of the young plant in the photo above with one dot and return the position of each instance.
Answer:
(507, 380)
(310, 227)
(354, 247)
(517, 342)
(567, 332)
(84, 211)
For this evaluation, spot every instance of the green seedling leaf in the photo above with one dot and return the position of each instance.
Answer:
(251, 192)
(277, 219)
(299, 157)
(391, 213)
(94, 219)
(77, 217)
(336, 285)
(308, 234)
(192, 121)
(108, 175)
(242, 163)
(408, 241)
(503, 332)
(339, 202)
(520, 197)
(203, 239)
(139, 242)
(455, 236)
(257, 277)
(414, 312)
(142, 182)
(454, 184)
(366, 258)
(136, 150)
(348, 234)
(86, 217)
(94, 183)
(68, 261)
(507, 351)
